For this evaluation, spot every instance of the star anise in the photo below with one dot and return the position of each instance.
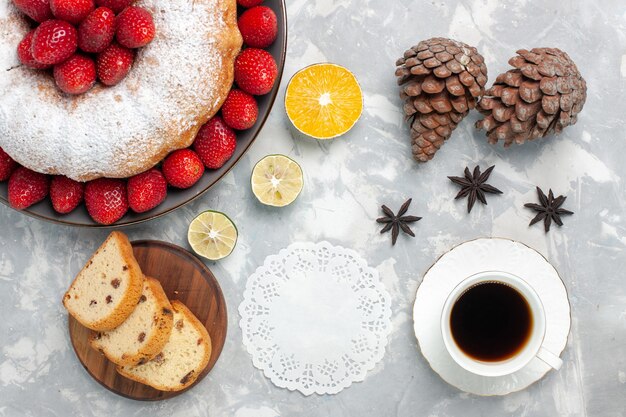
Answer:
(397, 222)
(474, 186)
(549, 210)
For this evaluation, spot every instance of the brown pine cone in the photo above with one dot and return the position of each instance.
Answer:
(542, 95)
(440, 81)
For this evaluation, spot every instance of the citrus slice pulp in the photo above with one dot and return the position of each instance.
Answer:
(276, 180)
(212, 235)
(323, 100)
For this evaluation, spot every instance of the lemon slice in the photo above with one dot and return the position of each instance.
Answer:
(276, 180)
(323, 100)
(212, 235)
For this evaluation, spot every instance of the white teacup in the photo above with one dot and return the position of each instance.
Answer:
(531, 349)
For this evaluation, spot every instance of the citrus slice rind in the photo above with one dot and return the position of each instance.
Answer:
(276, 180)
(212, 235)
(323, 100)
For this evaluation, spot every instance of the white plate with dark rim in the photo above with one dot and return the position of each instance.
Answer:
(469, 258)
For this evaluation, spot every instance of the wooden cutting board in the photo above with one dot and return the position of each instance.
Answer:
(183, 277)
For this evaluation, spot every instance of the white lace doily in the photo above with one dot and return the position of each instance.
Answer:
(315, 318)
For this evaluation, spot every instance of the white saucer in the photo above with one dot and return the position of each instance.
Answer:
(489, 254)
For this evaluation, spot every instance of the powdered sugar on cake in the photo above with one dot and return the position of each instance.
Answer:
(177, 82)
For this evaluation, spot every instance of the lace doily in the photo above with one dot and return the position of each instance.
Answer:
(315, 318)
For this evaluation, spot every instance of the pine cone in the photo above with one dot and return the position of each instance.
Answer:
(542, 95)
(441, 80)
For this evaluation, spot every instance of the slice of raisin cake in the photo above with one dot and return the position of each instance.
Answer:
(183, 358)
(108, 288)
(144, 333)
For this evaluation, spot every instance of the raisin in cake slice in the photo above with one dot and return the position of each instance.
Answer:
(183, 358)
(108, 288)
(144, 333)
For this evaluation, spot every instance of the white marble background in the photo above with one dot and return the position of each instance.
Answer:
(346, 182)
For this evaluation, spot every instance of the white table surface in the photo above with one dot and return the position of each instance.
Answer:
(346, 182)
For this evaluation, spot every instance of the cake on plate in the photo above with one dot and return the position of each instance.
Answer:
(106, 291)
(183, 359)
(143, 334)
(177, 83)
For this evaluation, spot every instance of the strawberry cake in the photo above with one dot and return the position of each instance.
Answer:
(177, 83)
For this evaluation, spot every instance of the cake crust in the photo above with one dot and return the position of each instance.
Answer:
(98, 281)
(177, 83)
(152, 372)
(151, 331)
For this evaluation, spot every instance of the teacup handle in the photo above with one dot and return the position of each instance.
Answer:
(550, 358)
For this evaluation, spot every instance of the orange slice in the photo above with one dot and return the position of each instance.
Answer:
(323, 100)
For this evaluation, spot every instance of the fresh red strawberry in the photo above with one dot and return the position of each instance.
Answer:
(25, 54)
(249, 3)
(76, 75)
(239, 110)
(54, 41)
(106, 200)
(96, 32)
(135, 27)
(65, 193)
(258, 26)
(27, 187)
(146, 190)
(182, 168)
(72, 11)
(7, 165)
(38, 10)
(255, 71)
(114, 63)
(116, 5)
(215, 143)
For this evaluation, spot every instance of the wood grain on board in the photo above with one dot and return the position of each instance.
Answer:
(183, 277)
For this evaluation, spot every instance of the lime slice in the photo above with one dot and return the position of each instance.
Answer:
(276, 180)
(212, 235)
